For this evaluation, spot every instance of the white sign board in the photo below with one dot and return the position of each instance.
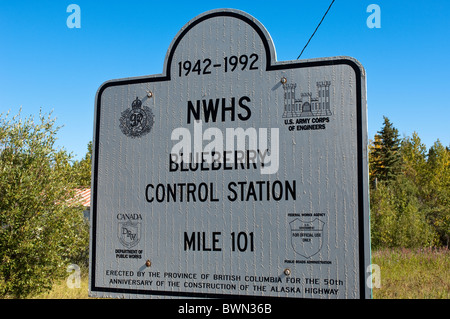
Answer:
(231, 174)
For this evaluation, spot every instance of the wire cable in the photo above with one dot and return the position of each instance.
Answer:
(316, 29)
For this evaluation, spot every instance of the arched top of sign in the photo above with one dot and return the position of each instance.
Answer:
(225, 36)
(231, 22)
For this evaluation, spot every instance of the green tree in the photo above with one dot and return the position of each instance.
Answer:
(41, 233)
(396, 216)
(436, 191)
(382, 217)
(409, 209)
(386, 160)
(82, 169)
(414, 159)
(431, 175)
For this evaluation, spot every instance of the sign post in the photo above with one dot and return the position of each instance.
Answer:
(231, 174)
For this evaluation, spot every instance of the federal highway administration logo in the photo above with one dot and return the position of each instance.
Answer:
(306, 236)
(137, 121)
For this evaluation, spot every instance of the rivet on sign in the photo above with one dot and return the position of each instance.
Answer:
(149, 94)
(287, 272)
(283, 80)
(148, 263)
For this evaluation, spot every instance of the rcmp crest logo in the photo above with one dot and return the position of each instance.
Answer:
(137, 121)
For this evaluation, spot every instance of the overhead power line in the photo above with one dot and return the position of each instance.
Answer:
(316, 29)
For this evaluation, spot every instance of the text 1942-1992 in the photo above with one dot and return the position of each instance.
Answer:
(228, 64)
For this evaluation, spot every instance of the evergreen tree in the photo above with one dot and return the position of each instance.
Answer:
(386, 159)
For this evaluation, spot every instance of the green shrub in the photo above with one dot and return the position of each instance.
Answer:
(41, 231)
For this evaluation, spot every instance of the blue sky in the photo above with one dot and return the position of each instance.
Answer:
(44, 64)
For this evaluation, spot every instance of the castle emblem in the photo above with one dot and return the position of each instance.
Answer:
(306, 105)
(137, 121)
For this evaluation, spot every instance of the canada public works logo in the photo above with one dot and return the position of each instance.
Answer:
(129, 233)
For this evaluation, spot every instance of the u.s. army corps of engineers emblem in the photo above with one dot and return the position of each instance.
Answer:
(137, 121)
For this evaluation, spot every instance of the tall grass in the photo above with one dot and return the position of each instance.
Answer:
(413, 273)
(61, 290)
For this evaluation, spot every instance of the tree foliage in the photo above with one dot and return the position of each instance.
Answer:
(386, 160)
(410, 205)
(41, 232)
(81, 170)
